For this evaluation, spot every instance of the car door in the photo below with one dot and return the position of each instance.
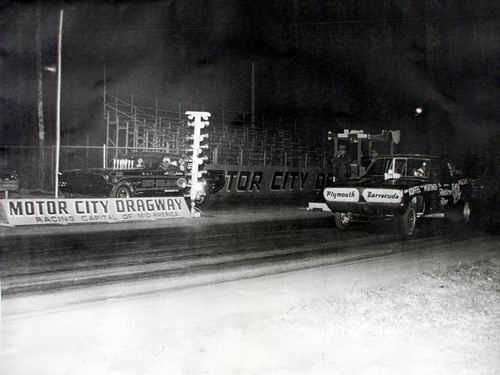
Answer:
(425, 174)
(449, 190)
(166, 181)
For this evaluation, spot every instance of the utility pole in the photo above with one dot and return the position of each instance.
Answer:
(104, 93)
(40, 106)
(253, 95)
(58, 121)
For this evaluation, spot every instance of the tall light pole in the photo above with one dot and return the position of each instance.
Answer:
(252, 95)
(40, 104)
(58, 119)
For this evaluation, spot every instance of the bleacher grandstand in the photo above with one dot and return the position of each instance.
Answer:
(132, 126)
(233, 140)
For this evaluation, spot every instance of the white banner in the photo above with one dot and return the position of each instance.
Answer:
(341, 194)
(72, 211)
(382, 195)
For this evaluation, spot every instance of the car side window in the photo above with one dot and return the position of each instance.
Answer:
(400, 166)
(419, 167)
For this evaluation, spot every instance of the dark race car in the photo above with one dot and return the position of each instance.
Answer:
(404, 188)
(139, 174)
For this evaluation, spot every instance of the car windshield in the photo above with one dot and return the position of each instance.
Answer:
(379, 167)
(408, 167)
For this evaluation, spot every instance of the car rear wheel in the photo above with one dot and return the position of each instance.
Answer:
(408, 222)
(122, 191)
(461, 214)
(342, 220)
(466, 213)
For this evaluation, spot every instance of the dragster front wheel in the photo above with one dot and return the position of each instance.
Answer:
(342, 220)
(122, 191)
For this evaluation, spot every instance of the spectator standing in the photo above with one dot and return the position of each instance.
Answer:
(165, 163)
(341, 164)
(140, 163)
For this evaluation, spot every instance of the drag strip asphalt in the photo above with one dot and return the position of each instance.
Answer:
(88, 266)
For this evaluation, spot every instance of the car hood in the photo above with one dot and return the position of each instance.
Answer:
(104, 171)
(381, 182)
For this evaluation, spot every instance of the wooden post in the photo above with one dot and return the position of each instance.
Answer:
(136, 131)
(252, 118)
(359, 152)
(117, 129)
(156, 112)
(107, 128)
(87, 151)
(104, 91)
(126, 136)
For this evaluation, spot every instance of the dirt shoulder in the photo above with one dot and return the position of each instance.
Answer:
(445, 321)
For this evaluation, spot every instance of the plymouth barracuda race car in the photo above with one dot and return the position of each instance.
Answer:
(403, 188)
(138, 175)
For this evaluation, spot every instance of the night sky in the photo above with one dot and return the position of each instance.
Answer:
(360, 64)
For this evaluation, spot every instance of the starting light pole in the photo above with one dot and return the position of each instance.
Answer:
(197, 120)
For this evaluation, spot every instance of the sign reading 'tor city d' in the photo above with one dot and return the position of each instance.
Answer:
(69, 211)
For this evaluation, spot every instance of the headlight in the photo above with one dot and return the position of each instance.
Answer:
(182, 182)
(198, 187)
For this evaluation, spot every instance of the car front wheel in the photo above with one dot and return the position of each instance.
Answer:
(200, 199)
(408, 222)
(467, 212)
(122, 191)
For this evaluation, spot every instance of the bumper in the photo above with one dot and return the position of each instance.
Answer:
(366, 209)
